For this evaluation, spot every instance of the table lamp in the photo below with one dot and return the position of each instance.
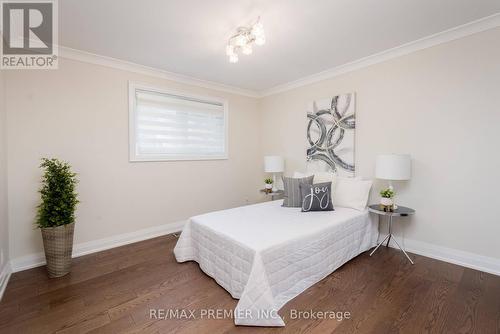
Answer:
(274, 164)
(393, 167)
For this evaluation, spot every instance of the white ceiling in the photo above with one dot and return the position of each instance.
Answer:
(303, 37)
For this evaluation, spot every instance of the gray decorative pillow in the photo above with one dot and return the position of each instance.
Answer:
(292, 197)
(316, 197)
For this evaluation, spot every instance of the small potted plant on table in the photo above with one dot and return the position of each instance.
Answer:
(56, 215)
(268, 185)
(387, 199)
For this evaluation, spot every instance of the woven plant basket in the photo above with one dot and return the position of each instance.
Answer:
(58, 245)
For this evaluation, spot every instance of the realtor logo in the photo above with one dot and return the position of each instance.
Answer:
(29, 31)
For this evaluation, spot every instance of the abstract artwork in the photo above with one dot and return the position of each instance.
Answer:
(331, 125)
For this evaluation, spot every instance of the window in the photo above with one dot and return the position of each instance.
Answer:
(174, 126)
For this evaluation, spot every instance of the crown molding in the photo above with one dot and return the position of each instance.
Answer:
(461, 31)
(119, 64)
(458, 32)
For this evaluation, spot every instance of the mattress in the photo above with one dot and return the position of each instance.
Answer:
(265, 254)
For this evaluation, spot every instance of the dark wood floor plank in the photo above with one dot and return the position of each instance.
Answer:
(113, 292)
(33, 282)
(86, 325)
(475, 305)
(115, 326)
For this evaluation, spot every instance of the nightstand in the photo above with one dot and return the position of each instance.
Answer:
(273, 195)
(401, 211)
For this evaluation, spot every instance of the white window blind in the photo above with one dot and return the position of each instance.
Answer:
(175, 127)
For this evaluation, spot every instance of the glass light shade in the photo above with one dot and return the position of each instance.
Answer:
(246, 49)
(229, 50)
(261, 40)
(396, 167)
(240, 40)
(233, 58)
(258, 29)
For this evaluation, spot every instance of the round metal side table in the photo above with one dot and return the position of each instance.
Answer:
(401, 211)
(274, 195)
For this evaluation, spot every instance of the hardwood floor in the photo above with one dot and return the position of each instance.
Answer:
(113, 292)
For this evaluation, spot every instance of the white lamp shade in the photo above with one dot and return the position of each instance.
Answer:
(274, 164)
(396, 167)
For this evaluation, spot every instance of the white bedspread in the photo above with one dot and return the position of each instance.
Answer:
(265, 255)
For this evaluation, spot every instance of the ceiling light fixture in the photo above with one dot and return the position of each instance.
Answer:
(243, 40)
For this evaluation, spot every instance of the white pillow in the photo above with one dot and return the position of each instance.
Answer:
(351, 193)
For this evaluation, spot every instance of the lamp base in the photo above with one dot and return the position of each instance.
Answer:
(394, 206)
(275, 189)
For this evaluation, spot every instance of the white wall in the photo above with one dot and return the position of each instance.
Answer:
(441, 105)
(4, 228)
(79, 113)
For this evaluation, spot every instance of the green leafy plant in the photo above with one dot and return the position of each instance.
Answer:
(387, 193)
(268, 181)
(58, 194)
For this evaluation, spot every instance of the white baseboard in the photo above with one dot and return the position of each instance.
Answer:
(38, 259)
(455, 256)
(4, 278)
(470, 260)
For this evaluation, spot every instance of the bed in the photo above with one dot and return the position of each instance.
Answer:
(265, 254)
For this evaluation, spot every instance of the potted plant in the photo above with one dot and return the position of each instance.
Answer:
(387, 198)
(56, 215)
(268, 185)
